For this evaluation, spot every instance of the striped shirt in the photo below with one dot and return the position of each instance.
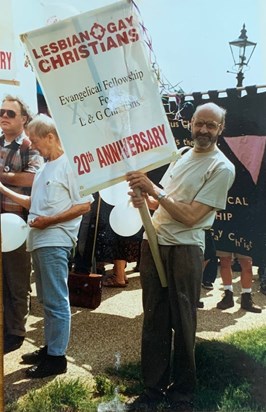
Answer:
(22, 160)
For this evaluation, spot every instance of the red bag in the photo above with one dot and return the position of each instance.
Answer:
(85, 290)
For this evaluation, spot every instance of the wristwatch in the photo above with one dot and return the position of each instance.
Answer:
(161, 195)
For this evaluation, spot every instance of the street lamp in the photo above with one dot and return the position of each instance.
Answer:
(242, 50)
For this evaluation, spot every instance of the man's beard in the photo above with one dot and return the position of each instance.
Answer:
(204, 140)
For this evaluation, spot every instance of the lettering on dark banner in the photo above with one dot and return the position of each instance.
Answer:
(241, 227)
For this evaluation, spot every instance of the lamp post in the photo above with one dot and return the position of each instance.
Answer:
(242, 50)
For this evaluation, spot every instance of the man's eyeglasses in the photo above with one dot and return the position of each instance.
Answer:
(209, 125)
(10, 113)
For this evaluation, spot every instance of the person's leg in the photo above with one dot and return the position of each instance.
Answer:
(16, 296)
(52, 264)
(52, 290)
(226, 271)
(156, 337)
(227, 276)
(210, 273)
(184, 268)
(118, 278)
(210, 261)
(246, 273)
(205, 284)
(246, 284)
(119, 270)
(157, 331)
(40, 354)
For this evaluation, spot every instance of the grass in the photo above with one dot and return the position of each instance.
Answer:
(231, 378)
(252, 343)
(61, 395)
(223, 386)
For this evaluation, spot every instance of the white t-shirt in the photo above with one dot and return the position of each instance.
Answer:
(54, 190)
(203, 177)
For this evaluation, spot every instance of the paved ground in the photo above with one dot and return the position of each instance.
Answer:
(115, 328)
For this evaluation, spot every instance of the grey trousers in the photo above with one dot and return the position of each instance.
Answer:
(170, 320)
(16, 290)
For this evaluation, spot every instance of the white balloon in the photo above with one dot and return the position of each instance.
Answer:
(14, 231)
(125, 220)
(116, 194)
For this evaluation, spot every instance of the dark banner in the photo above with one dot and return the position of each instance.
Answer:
(241, 227)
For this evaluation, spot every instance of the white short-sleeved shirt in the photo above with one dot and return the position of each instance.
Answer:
(54, 190)
(202, 177)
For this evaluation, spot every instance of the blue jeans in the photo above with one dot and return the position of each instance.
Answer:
(50, 266)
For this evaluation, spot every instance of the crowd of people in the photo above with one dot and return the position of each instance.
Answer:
(54, 209)
(38, 184)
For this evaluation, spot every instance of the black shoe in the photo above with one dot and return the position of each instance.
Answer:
(207, 285)
(227, 301)
(145, 403)
(200, 304)
(247, 303)
(35, 357)
(51, 365)
(12, 342)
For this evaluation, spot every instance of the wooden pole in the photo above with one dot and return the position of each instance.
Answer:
(93, 258)
(152, 239)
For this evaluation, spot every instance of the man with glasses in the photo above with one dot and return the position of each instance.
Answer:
(194, 187)
(18, 164)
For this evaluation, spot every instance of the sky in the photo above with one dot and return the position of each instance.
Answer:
(190, 39)
(198, 50)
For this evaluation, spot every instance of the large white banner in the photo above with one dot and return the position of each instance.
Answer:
(99, 85)
(8, 67)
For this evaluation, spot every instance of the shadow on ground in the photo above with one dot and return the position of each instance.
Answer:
(115, 327)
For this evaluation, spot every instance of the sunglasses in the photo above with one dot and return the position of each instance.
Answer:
(10, 113)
